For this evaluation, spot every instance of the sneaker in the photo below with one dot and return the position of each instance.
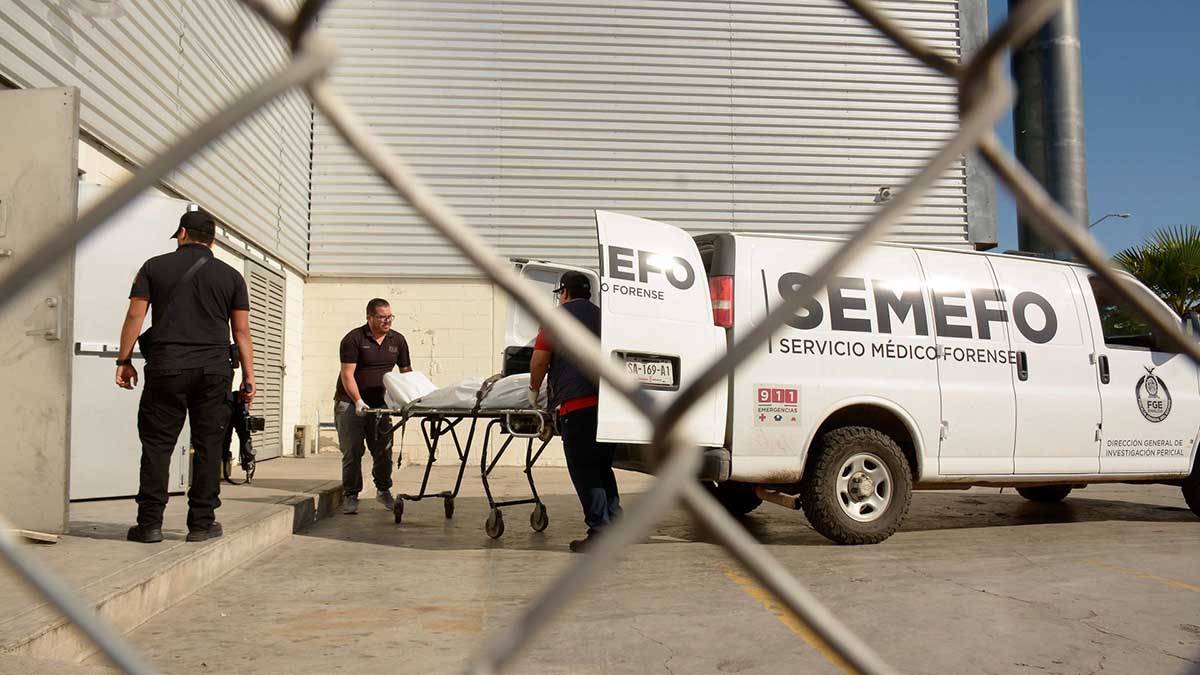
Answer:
(385, 497)
(350, 506)
(214, 531)
(144, 535)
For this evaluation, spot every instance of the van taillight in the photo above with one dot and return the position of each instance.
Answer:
(720, 289)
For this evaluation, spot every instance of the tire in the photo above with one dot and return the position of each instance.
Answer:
(448, 506)
(398, 511)
(1191, 492)
(495, 524)
(831, 489)
(1045, 493)
(737, 498)
(539, 519)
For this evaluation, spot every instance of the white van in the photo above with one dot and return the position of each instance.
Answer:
(917, 368)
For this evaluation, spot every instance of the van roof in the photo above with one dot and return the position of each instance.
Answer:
(900, 244)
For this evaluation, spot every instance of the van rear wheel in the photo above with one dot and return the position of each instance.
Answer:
(1045, 493)
(858, 487)
(1191, 492)
(737, 498)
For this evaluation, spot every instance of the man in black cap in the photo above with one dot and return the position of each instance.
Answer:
(573, 397)
(195, 300)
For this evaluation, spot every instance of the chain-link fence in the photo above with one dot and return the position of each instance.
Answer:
(984, 94)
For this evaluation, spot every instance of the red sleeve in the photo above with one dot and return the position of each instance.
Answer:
(542, 343)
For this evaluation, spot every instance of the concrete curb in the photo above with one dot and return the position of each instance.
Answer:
(151, 587)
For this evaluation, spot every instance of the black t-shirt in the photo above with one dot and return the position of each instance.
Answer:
(197, 334)
(372, 360)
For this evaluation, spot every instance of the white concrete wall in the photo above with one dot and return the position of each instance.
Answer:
(454, 328)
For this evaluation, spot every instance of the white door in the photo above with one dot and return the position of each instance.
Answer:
(105, 450)
(38, 165)
(656, 320)
(1149, 395)
(974, 373)
(1058, 404)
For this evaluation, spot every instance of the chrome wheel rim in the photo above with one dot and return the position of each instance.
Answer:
(864, 487)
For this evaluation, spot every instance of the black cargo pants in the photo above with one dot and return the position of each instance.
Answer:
(590, 465)
(202, 396)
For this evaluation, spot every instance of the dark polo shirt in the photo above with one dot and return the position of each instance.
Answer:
(372, 361)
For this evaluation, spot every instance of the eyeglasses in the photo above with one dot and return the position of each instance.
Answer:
(384, 319)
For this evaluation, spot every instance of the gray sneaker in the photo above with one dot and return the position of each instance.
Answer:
(350, 505)
(385, 497)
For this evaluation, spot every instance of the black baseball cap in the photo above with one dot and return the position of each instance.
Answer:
(576, 283)
(197, 222)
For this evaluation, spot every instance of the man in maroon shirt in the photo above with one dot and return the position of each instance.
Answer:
(367, 354)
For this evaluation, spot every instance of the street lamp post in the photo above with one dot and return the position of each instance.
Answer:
(1109, 215)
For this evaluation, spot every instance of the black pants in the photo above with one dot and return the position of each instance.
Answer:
(353, 433)
(202, 396)
(590, 466)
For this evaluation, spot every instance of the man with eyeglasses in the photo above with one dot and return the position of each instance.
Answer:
(367, 354)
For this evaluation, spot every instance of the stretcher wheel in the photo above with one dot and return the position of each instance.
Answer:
(539, 520)
(448, 506)
(398, 510)
(495, 524)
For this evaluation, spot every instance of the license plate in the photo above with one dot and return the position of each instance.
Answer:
(658, 372)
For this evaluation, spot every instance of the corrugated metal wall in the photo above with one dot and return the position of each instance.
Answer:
(156, 70)
(527, 116)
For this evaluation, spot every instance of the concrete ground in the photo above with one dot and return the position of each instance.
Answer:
(129, 582)
(975, 581)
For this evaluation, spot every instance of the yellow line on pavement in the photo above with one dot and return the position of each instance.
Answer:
(1142, 574)
(788, 618)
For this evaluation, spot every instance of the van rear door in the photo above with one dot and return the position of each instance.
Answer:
(657, 322)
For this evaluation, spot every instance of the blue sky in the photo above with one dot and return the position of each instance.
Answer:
(1141, 96)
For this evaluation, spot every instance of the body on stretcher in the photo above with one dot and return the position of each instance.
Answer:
(501, 401)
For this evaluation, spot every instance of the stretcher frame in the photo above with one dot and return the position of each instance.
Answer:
(436, 423)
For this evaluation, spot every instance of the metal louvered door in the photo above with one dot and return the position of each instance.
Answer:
(266, 288)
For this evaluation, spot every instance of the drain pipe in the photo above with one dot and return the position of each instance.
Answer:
(1048, 121)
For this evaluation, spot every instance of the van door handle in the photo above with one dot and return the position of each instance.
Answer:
(1104, 374)
(1022, 366)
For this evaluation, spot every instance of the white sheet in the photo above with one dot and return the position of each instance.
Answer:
(400, 389)
(505, 393)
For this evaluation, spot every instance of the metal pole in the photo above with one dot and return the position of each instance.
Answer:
(1048, 121)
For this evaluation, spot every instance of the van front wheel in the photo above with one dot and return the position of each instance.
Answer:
(858, 487)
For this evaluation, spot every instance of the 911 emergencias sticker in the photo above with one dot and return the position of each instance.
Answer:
(776, 405)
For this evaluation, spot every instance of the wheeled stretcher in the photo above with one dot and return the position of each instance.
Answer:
(450, 413)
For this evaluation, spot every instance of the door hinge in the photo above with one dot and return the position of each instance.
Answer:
(1099, 427)
(945, 431)
(55, 332)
